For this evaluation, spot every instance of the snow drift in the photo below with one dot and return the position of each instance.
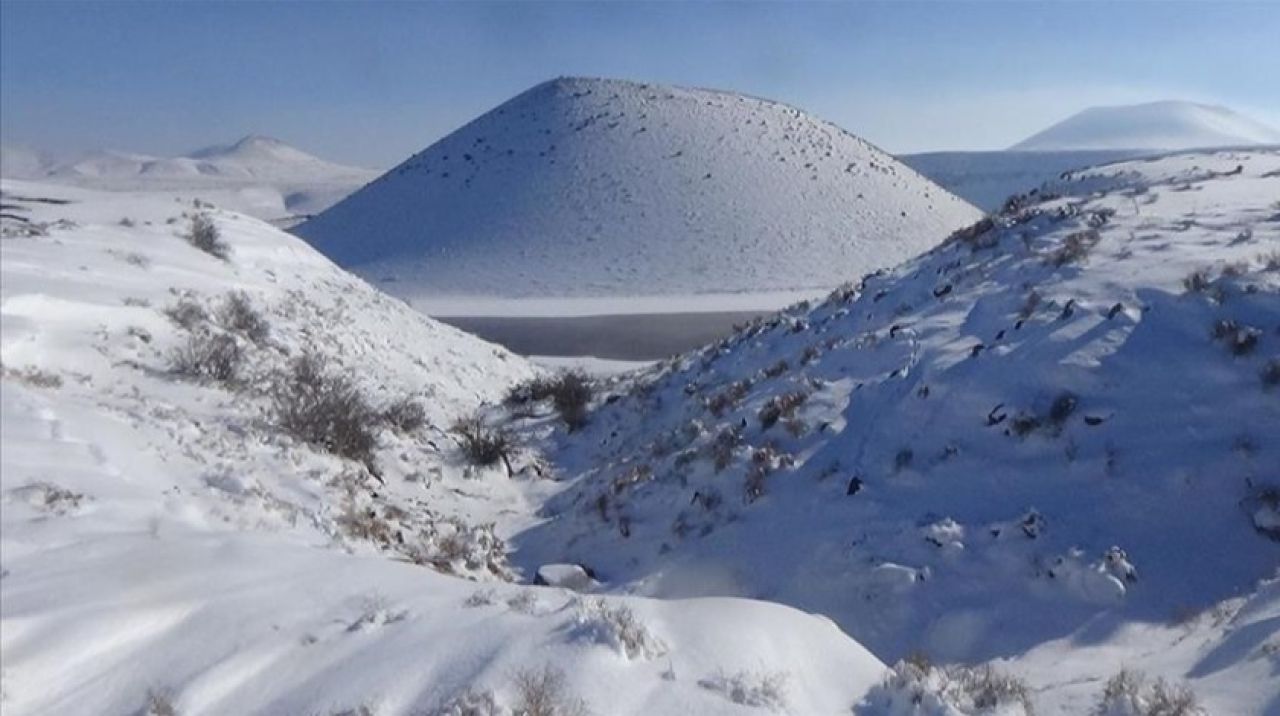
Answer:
(587, 187)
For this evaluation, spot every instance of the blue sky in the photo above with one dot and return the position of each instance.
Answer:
(370, 83)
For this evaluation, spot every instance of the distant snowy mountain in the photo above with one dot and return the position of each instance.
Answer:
(589, 187)
(1049, 441)
(258, 175)
(1157, 125)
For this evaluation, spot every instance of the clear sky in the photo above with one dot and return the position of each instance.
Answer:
(370, 83)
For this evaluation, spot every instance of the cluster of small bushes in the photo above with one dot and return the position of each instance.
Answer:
(569, 392)
(208, 355)
(948, 689)
(1129, 693)
(728, 399)
(33, 376)
(310, 401)
(779, 407)
(982, 689)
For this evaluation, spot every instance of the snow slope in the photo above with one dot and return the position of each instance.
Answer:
(1049, 440)
(164, 541)
(1155, 125)
(588, 187)
(258, 175)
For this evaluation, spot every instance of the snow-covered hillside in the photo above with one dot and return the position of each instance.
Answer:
(257, 175)
(1156, 125)
(1051, 440)
(987, 179)
(170, 542)
(586, 187)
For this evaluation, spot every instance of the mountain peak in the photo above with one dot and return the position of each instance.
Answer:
(595, 187)
(255, 146)
(1164, 124)
(258, 141)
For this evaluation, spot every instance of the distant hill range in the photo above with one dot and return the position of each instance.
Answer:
(260, 175)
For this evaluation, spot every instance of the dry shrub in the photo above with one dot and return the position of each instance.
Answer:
(1075, 247)
(34, 377)
(484, 446)
(238, 314)
(727, 399)
(1197, 281)
(405, 415)
(780, 406)
(326, 410)
(545, 693)
(724, 446)
(1241, 340)
(533, 390)
(204, 235)
(208, 357)
(187, 313)
(571, 394)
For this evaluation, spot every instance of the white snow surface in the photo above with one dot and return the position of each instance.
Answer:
(1045, 442)
(257, 175)
(163, 542)
(589, 187)
(1169, 125)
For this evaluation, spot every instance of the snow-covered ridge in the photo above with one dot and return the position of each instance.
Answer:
(164, 543)
(1168, 125)
(1054, 429)
(588, 187)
